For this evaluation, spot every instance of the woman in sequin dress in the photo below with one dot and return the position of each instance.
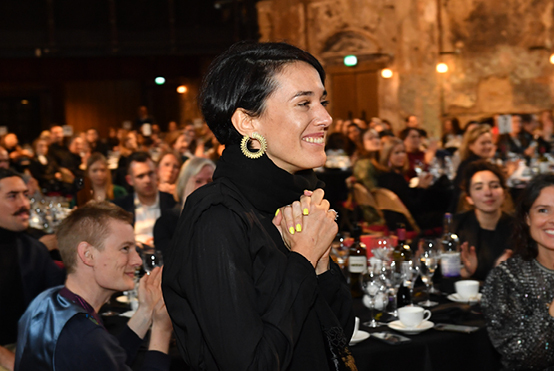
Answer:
(518, 297)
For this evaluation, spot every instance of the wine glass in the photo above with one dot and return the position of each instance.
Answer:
(151, 258)
(374, 287)
(409, 272)
(428, 264)
(393, 280)
(383, 249)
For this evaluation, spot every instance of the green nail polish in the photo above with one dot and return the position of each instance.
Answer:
(298, 228)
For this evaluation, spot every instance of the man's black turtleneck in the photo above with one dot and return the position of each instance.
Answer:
(26, 270)
(11, 287)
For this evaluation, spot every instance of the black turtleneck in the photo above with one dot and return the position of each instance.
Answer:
(11, 287)
(264, 184)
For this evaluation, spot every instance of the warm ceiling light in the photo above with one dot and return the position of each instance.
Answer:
(182, 89)
(552, 58)
(442, 68)
(386, 73)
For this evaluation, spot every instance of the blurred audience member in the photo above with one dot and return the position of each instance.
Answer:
(95, 143)
(168, 166)
(452, 135)
(413, 122)
(485, 230)
(98, 182)
(195, 173)
(146, 203)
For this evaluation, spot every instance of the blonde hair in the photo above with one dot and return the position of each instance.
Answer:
(190, 168)
(387, 146)
(471, 137)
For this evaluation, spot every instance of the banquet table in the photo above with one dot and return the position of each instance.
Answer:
(431, 350)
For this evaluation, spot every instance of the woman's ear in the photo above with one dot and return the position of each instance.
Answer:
(243, 122)
(470, 201)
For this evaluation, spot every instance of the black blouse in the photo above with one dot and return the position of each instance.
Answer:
(238, 298)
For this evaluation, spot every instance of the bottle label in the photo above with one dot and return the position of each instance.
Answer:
(357, 264)
(450, 264)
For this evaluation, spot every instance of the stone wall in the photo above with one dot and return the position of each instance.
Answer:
(497, 51)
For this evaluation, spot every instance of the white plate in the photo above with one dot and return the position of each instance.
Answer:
(457, 298)
(423, 326)
(360, 336)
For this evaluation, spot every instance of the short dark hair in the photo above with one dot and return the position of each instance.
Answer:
(243, 77)
(89, 223)
(526, 118)
(8, 173)
(477, 166)
(406, 131)
(139, 156)
(524, 245)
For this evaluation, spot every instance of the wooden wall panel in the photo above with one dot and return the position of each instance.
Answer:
(101, 104)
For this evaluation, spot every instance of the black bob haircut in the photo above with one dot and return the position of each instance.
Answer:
(243, 77)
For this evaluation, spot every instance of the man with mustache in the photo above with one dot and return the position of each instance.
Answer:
(26, 268)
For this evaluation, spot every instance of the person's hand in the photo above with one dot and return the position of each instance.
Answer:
(161, 329)
(292, 214)
(505, 256)
(318, 229)
(425, 180)
(469, 260)
(149, 294)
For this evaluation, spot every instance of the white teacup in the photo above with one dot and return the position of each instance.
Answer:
(412, 316)
(467, 289)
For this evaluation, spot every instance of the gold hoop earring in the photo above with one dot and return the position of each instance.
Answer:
(247, 152)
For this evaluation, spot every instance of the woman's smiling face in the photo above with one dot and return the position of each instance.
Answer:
(294, 120)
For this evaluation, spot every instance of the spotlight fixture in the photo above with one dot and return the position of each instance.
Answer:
(182, 89)
(159, 80)
(386, 73)
(442, 68)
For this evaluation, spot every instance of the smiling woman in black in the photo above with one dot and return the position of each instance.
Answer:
(248, 289)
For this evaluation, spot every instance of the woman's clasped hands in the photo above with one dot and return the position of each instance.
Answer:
(308, 227)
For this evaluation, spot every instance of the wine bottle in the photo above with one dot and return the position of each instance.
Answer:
(400, 254)
(357, 262)
(402, 250)
(450, 254)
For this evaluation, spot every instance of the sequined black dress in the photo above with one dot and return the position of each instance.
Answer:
(516, 298)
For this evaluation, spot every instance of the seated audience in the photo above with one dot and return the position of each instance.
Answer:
(20, 158)
(413, 122)
(128, 146)
(518, 294)
(417, 159)
(46, 170)
(98, 182)
(484, 231)
(393, 165)
(169, 164)
(25, 265)
(195, 173)
(62, 330)
(476, 145)
(452, 135)
(146, 203)
(95, 143)
(364, 169)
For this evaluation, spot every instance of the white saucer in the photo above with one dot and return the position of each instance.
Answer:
(359, 337)
(455, 297)
(423, 326)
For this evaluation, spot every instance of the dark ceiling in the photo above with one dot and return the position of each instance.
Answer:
(38, 35)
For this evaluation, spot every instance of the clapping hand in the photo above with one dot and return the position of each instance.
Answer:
(469, 260)
(308, 227)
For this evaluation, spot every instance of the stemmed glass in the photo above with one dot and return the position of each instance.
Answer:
(393, 280)
(428, 264)
(374, 287)
(409, 272)
(151, 258)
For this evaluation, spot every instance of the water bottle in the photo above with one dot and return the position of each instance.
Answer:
(450, 250)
